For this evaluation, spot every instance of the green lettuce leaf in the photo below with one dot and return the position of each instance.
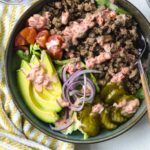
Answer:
(22, 55)
(111, 6)
(35, 50)
(76, 126)
(140, 94)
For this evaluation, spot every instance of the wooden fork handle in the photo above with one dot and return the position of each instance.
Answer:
(146, 93)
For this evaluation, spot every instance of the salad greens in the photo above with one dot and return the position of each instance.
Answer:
(140, 94)
(23, 55)
(78, 103)
(76, 126)
(33, 50)
(111, 6)
(60, 63)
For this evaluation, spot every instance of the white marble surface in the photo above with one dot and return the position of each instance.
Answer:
(137, 138)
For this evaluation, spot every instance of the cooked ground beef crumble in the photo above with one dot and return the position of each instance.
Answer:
(116, 34)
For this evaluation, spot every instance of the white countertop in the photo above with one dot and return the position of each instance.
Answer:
(137, 138)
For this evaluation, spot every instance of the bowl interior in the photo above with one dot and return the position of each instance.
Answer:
(10, 70)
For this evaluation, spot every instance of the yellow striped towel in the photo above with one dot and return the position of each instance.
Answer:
(16, 133)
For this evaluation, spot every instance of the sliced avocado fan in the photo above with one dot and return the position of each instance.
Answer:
(43, 104)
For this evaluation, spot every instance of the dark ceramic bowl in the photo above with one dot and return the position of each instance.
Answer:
(10, 65)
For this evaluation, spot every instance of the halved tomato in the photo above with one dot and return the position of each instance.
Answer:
(29, 34)
(42, 37)
(26, 36)
(54, 46)
(19, 41)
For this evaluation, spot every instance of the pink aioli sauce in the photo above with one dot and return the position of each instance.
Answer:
(78, 28)
(128, 107)
(120, 75)
(91, 62)
(39, 21)
(98, 108)
(40, 78)
(72, 67)
(62, 103)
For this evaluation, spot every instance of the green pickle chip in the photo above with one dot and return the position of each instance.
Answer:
(105, 120)
(91, 124)
(108, 88)
(90, 121)
(116, 115)
(115, 95)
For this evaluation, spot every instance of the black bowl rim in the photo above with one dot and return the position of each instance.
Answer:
(35, 125)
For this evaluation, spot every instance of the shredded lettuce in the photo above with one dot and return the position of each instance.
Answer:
(95, 82)
(35, 50)
(76, 126)
(111, 6)
(103, 2)
(61, 62)
(85, 135)
(140, 94)
(22, 55)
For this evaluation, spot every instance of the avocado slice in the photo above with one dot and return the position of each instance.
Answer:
(25, 86)
(47, 103)
(47, 64)
(42, 104)
(49, 67)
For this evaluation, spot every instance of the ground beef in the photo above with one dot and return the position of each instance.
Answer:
(114, 33)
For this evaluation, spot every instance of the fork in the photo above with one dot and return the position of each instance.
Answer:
(143, 77)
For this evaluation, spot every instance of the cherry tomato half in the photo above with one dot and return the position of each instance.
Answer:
(19, 41)
(54, 46)
(26, 36)
(42, 37)
(29, 34)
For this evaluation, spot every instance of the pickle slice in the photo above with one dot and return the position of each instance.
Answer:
(116, 116)
(108, 88)
(97, 99)
(115, 95)
(91, 124)
(85, 112)
(126, 97)
(106, 120)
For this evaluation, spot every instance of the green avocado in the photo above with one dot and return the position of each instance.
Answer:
(43, 104)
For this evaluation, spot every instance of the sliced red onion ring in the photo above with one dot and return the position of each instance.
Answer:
(62, 127)
(78, 108)
(75, 92)
(64, 74)
(72, 94)
(81, 72)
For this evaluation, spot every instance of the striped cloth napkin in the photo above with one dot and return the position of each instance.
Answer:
(16, 133)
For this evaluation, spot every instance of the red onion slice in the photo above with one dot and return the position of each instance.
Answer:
(71, 93)
(64, 74)
(62, 127)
